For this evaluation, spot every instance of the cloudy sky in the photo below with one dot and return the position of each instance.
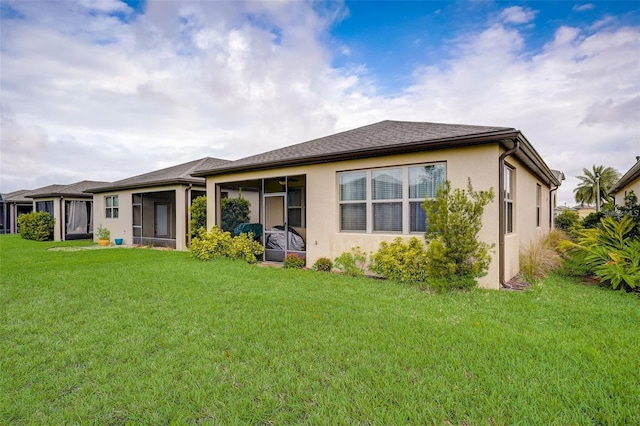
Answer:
(107, 89)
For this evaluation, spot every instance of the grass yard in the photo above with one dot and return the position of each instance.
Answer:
(139, 336)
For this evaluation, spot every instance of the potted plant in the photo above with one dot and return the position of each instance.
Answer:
(104, 236)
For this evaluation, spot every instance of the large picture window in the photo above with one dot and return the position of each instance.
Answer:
(388, 200)
(111, 207)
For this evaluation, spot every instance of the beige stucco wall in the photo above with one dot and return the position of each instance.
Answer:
(633, 186)
(524, 228)
(122, 227)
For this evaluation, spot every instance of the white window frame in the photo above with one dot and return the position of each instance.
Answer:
(111, 210)
(369, 202)
(509, 195)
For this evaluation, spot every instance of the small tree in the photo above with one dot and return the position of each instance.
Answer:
(198, 212)
(454, 220)
(569, 221)
(234, 212)
(36, 226)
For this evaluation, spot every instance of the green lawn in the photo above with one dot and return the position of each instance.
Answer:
(139, 336)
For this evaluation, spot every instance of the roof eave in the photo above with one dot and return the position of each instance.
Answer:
(164, 182)
(627, 178)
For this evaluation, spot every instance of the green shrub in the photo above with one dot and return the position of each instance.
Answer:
(234, 211)
(401, 261)
(36, 226)
(592, 220)
(218, 243)
(103, 233)
(611, 253)
(244, 246)
(569, 221)
(198, 210)
(323, 264)
(294, 261)
(353, 263)
(454, 221)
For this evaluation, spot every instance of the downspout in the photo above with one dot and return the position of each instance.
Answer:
(63, 218)
(501, 212)
(187, 196)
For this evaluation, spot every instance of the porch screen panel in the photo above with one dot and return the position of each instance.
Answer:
(353, 196)
(77, 219)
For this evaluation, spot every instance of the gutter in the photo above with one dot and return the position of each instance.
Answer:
(62, 219)
(501, 214)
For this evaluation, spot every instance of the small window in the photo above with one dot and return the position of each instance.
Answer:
(111, 207)
(424, 181)
(386, 187)
(508, 199)
(538, 204)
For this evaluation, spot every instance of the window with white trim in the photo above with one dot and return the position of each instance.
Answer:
(508, 191)
(388, 199)
(111, 207)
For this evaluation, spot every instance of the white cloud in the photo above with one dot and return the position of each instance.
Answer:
(583, 7)
(517, 15)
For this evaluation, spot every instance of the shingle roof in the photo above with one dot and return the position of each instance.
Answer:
(383, 138)
(77, 190)
(630, 176)
(180, 174)
(17, 197)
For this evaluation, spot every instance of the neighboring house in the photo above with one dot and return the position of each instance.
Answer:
(13, 205)
(627, 183)
(365, 186)
(70, 206)
(584, 210)
(152, 208)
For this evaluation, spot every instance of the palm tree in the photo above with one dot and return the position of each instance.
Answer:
(586, 191)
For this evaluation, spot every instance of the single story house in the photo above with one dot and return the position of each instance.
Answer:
(70, 206)
(627, 183)
(326, 196)
(12, 205)
(152, 208)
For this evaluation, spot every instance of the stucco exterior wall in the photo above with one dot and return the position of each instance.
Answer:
(122, 226)
(525, 228)
(633, 186)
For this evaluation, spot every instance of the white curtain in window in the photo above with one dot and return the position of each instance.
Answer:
(77, 218)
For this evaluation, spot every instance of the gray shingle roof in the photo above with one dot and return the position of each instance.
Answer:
(383, 138)
(76, 190)
(17, 197)
(180, 174)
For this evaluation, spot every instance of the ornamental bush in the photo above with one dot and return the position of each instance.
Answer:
(198, 210)
(294, 261)
(323, 264)
(454, 221)
(36, 226)
(218, 243)
(352, 263)
(234, 211)
(401, 261)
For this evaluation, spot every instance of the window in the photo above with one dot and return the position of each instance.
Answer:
(353, 206)
(45, 206)
(111, 203)
(538, 202)
(423, 183)
(508, 199)
(388, 200)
